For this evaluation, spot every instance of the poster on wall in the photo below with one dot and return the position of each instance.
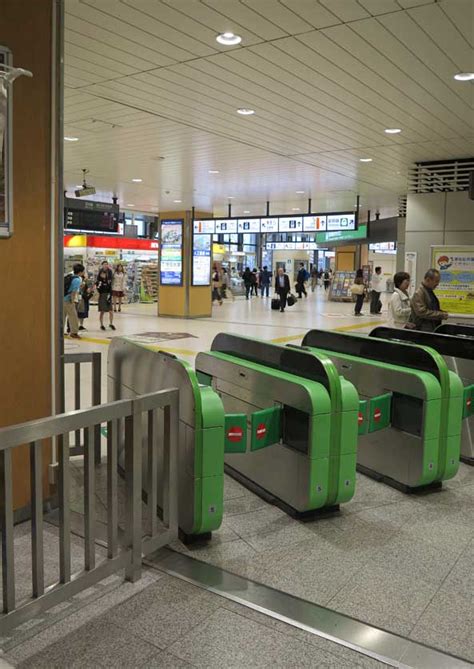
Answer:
(171, 266)
(456, 289)
(202, 260)
(410, 267)
(5, 152)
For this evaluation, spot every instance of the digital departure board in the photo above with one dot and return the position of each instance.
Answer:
(90, 216)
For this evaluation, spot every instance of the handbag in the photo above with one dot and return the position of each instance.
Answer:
(291, 300)
(357, 289)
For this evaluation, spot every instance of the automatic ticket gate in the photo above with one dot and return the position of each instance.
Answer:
(411, 395)
(133, 369)
(291, 422)
(458, 353)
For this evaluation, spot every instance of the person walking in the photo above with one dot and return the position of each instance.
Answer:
(358, 289)
(104, 288)
(426, 313)
(72, 287)
(282, 287)
(248, 282)
(376, 284)
(301, 277)
(216, 284)
(118, 287)
(326, 280)
(399, 308)
(224, 283)
(264, 281)
(314, 278)
(255, 282)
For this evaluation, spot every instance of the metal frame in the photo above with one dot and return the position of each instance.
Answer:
(129, 555)
(6, 230)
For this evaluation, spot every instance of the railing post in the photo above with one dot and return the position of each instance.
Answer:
(36, 480)
(6, 520)
(133, 483)
(96, 400)
(64, 510)
(173, 488)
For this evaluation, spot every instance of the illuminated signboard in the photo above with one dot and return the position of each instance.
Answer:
(341, 235)
(291, 224)
(336, 222)
(226, 226)
(248, 225)
(314, 223)
(201, 260)
(171, 266)
(205, 226)
(291, 246)
(269, 224)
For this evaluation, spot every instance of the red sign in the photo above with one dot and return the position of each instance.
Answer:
(377, 415)
(468, 402)
(235, 434)
(360, 418)
(261, 431)
(105, 242)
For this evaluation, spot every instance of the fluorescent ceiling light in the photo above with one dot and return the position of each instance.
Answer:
(130, 205)
(464, 76)
(213, 171)
(295, 209)
(71, 139)
(177, 201)
(246, 211)
(392, 131)
(230, 197)
(137, 181)
(365, 160)
(228, 39)
(300, 192)
(245, 112)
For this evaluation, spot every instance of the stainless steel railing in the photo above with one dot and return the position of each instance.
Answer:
(125, 422)
(95, 360)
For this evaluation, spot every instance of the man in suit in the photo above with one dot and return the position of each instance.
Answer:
(282, 287)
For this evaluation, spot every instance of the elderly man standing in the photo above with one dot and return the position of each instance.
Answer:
(426, 313)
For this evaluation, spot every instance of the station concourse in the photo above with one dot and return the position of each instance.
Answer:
(249, 444)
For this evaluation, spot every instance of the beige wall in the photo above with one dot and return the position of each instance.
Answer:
(25, 326)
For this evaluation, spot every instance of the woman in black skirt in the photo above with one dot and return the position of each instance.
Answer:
(104, 288)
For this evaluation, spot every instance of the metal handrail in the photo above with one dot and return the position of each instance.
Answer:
(125, 423)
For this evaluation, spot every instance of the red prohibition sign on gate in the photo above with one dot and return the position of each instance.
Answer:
(469, 402)
(360, 418)
(377, 415)
(261, 431)
(235, 434)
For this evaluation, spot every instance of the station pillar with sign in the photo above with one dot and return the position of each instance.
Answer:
(184, 272)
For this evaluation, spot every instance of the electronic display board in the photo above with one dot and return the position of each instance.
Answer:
(202, 244)
(171, 264)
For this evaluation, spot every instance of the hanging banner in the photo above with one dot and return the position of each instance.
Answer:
(456, 288)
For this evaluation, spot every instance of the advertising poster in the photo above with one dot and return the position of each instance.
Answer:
(201, 260)
(171, 268)
(456, 289)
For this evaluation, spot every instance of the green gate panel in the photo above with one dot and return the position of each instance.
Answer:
(235, 433)
(265, 427)
(204, 379)
(362, 419)
(468, 401)
(380, 412)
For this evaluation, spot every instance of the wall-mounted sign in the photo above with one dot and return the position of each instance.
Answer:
(226, 226)
(248, 225)
(291, 224)
(171, 265)
(207, 226)
(456, 289)
(389, 248)
(201, 260)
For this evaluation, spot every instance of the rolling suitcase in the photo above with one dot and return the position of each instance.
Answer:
(276, 303)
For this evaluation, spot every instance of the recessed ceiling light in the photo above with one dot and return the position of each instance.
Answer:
(295, 209)
(464, 76)
(365, 160)
(177, 201)
(213, 171)
(71, 139)
(230, 197)
(246, 211)
(137, 181)
(392, 131)
(300, 192)
(130, 205)
(78, 185)
(245, 112)
(228, 39)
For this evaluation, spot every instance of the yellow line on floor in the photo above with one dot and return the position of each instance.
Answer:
(358, 326)
(282, 340)
(92, 340)
(153, 347)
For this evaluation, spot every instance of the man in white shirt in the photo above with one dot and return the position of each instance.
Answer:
(376, 285)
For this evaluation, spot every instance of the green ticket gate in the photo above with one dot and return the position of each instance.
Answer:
(411, 390)
(133, 369)
(291, 424)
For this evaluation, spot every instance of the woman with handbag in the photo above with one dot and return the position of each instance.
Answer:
(104, 288)
(358, 289)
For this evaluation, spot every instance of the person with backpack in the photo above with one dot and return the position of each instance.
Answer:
(87, 290)
(104, 288)
(72, 286)
(300, 281)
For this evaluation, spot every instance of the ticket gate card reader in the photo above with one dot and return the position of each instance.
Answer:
(406, 453)
(458, 353)
(306, 468)
(133, 369)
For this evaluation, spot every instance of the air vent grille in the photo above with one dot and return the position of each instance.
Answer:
(440, 176)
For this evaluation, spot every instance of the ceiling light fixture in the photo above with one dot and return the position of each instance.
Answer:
(300, 192)
(71, 139)
(464, 76)
(130, 205)
(137, 181)
(392, 131)
(230, 197)
(213, 171)
(365, 160)
(177, 201)
(245, 112)
(246, 211)
(295, 209)
(228, 39)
